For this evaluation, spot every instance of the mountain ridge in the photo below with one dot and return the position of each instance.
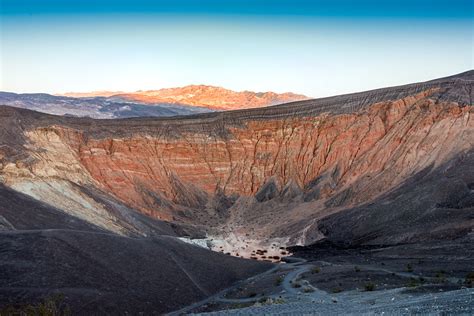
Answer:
(212, 97)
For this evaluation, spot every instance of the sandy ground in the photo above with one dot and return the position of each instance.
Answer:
(240, 246)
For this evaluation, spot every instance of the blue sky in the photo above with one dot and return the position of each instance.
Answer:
(318, 48)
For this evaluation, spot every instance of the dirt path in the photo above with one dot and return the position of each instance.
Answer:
(299, 291)
(288, 282)
(220, 295)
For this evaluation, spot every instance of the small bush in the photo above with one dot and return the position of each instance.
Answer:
(409, 268)
(369, 286)
(412, 283)
(252, 294)
(296, 285)
(336, 290)
(440, 276)
(279, 280)
(356, 269)
(315, 270)
(53, 305)
(469, 281)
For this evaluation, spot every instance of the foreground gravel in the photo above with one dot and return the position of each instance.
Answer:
(388, 302)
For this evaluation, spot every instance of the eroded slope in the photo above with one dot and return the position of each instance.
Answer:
(254, 173)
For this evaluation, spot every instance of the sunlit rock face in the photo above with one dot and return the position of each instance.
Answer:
(262, 172)
(211, 97)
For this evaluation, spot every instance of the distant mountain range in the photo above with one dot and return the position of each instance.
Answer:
(165, 102)
(94, 107)
(215, 98)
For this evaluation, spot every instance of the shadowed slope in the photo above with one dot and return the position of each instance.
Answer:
(108, 274)
(21, 212)
(47, 251)
(435, 204)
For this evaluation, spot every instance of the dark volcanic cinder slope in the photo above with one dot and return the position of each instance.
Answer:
(107, 274)
(21, 212)
(46, 252)
(435, 204)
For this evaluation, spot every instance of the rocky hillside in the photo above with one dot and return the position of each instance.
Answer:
(269, 172)
(129, 264)
(215, 98)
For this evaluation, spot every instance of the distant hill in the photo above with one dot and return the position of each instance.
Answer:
(211, 97)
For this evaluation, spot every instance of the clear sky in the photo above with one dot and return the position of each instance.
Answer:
(318, 48)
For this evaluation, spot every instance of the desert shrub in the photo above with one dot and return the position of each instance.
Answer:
(469, 280)
(51, 306)
(336, 290)
(315, 270)
(369, 286)
(412, 283)
(239, 305)
(440, 276)
(263, 300)
(279, 280)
